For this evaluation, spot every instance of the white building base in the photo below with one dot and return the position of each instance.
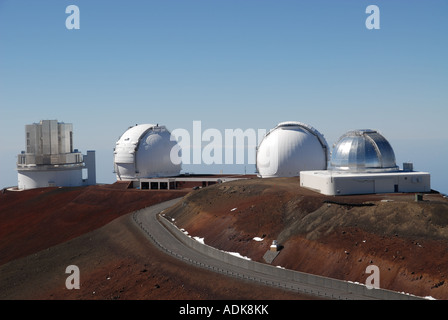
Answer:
(30, 179)
(335, 183)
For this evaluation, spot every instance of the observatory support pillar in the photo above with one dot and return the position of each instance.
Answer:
(89, 160)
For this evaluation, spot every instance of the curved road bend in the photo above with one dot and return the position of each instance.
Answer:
(147, 220)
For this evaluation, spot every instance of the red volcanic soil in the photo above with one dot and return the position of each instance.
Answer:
(42, 231)
(36, 219)
(336, 237)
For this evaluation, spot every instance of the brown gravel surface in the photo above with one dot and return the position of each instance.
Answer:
(92, 229)
(42, 231)
(331, 236)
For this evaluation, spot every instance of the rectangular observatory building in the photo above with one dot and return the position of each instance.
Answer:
(335, 183)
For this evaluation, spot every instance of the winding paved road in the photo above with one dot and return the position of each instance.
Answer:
(147, 220)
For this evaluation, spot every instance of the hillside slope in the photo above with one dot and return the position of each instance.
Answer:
(332, 236)
(42, 231)
(36, 219)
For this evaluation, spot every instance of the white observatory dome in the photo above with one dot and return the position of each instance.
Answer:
(363, 151)
(289, 148)
(143, 151)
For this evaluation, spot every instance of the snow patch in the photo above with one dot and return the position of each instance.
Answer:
(257, 239)
(233, 209)
(236, 254)
(201, 240)
(401, 292)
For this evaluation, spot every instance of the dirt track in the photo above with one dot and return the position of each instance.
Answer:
(115, 260)
(332, 236)
(44, 230)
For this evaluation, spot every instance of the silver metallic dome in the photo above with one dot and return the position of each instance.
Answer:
(363, 151)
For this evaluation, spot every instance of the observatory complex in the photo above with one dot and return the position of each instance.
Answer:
(50, 160)
(142, 157)
(363, 162)
(289, 148)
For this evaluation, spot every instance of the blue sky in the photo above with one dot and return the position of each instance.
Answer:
(230, 64)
